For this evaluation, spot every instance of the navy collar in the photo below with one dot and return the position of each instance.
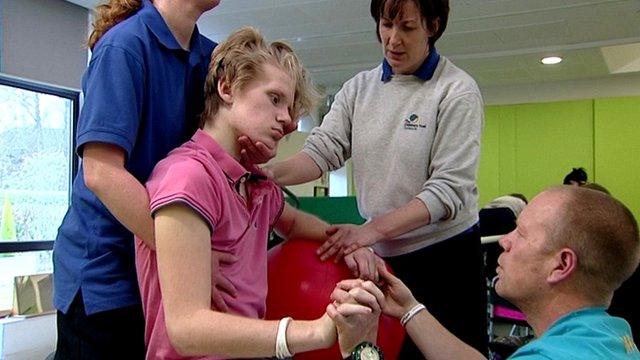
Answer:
(154, 21)
(424, 72)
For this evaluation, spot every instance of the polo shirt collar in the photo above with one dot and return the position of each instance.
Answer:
(195, 45)
(234, 171)
(154, 21)
(424, 72)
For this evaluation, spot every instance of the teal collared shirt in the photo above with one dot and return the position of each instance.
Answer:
(424, 72)
(586, 334)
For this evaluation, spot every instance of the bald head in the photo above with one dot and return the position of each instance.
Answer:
(600, 230)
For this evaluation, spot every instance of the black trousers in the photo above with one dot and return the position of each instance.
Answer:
(448, 278)
(113, 334)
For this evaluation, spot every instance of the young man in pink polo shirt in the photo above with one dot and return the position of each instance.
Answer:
(203, 198)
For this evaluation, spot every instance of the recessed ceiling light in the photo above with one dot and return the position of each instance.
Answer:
(551, 60)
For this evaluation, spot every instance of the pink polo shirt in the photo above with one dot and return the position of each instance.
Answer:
(201, 175)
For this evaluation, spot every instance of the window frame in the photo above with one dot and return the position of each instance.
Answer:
(63, 92)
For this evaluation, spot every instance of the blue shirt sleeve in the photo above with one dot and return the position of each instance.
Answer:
(114, 90)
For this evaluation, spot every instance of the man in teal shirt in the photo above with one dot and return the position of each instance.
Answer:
(589, 333)
(571, 249)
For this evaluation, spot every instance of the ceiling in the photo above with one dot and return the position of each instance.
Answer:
(499, 42)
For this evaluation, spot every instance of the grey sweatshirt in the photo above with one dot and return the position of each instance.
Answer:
(407, 138)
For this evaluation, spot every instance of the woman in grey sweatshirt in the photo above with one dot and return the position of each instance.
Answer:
(412, 128)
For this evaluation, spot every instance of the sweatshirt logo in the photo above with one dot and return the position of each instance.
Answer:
(413, 122)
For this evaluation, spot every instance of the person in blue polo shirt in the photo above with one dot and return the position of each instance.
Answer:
(143, 92)
(411, 127)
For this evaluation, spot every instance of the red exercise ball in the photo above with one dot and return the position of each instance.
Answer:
(300, 285)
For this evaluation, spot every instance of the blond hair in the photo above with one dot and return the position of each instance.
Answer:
(604, 234)
(239, 60)
(109, 15)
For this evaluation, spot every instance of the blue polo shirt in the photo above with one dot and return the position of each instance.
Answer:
(424, 72)
(142, 93)
(586, 334)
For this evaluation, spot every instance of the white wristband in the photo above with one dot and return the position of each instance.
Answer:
(282, 350)
(411, 313)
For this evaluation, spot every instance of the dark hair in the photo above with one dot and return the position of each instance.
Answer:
(431, 10)
(578, 175)
(520, 196)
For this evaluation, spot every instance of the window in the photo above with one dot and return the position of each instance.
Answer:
(37, 163)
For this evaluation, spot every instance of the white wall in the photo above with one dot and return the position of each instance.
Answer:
(289, 146)
(339, 181)
(43, 40)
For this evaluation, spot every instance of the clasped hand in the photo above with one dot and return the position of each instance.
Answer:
(355, 309)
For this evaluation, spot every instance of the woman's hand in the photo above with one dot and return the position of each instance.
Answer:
(254, 153)
(398, 299)
(347, 238)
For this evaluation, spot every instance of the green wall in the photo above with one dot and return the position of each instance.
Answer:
(617, 148)
(496, 174)
(529, 147)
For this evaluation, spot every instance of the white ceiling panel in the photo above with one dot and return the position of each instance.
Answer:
(499, 42)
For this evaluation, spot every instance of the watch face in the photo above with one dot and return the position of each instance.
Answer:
(369, 353)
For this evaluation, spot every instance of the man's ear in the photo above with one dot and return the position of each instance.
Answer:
(565, 263)
(225, 92)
